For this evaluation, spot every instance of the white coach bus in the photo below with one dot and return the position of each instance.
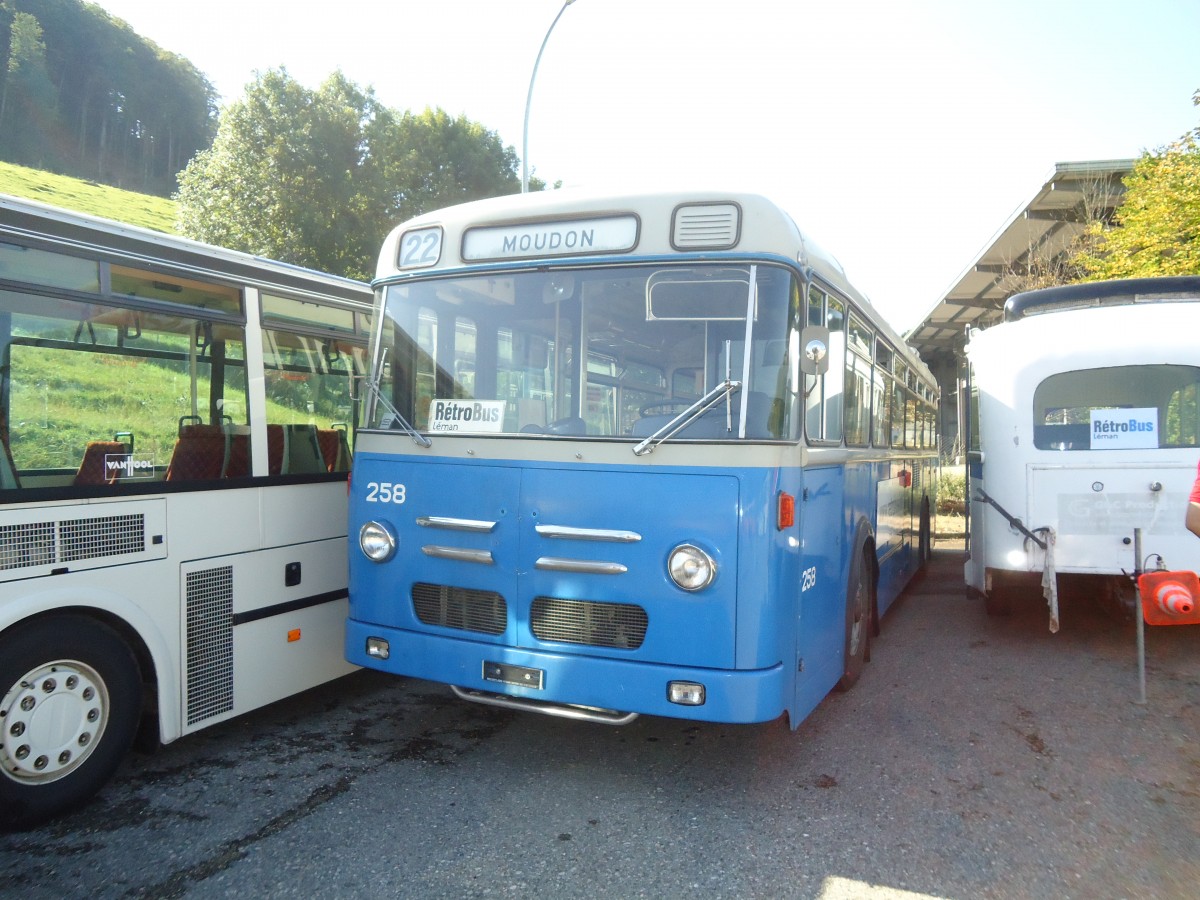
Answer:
(175, 431)
(1086, 426)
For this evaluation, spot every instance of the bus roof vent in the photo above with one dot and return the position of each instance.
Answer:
(706, 226)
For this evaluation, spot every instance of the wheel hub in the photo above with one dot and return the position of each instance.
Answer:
(50, 720)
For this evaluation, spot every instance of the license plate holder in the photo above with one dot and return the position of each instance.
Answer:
(521, 676)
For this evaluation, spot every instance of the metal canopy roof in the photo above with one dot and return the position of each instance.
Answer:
(1074, 193)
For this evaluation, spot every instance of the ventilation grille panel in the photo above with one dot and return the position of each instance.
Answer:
(209, 643)
(714, 226)
(71, 540)
(463, 608)
(108, 536)
(616, 625)
(25, 545)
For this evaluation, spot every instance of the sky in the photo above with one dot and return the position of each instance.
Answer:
(900, 134)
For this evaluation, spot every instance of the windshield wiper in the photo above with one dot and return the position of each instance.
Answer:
(418, 438)
(704, 404)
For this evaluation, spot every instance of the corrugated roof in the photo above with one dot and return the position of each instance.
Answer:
(1074, 193)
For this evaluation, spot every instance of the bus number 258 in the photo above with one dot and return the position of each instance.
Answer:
(385, 492)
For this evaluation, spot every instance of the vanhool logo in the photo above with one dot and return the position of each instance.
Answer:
(126, 465)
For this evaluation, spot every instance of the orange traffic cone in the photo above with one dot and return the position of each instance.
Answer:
(1169, 598)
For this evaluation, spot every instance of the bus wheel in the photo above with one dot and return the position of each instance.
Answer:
(859, 605)
(70, 698)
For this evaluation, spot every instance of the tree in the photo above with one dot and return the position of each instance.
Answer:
(26, 93)
(317, 178)
(82, 93)
(1157, 226)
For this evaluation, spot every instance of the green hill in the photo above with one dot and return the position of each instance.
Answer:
(157, 213)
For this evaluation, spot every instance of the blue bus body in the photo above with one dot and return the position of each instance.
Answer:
(533, 568)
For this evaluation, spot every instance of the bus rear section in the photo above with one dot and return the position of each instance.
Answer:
(1088, 437)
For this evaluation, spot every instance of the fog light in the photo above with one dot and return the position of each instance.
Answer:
(685, 693)
(378, 648)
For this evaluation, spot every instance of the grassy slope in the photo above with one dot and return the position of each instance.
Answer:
(88, 197)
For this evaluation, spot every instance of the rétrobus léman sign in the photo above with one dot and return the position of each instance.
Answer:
(612, 234)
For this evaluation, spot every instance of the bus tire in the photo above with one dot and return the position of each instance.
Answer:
(860, 605)
(70, 700)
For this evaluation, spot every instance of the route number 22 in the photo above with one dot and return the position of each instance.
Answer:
(420, 248)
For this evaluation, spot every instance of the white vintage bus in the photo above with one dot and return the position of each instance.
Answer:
(175, 432)
(1086, 427)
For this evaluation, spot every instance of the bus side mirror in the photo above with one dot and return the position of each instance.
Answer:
(814, 350)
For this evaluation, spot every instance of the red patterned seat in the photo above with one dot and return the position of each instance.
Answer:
(92, 469)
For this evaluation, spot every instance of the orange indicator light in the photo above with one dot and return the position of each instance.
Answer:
(786, 517)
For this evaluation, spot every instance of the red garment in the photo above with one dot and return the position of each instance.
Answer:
(1195, 497)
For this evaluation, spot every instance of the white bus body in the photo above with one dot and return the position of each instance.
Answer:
(189, 565)
(1088, 428)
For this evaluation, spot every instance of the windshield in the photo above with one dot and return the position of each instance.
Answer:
(601, 352)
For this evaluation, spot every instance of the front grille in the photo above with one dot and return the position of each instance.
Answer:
(618, 625)
(463, 608)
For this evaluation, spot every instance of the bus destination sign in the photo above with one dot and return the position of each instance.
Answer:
(611, 234)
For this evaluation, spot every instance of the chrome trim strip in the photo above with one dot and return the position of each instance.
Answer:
(562, 710)
(476, 526)
(588, 534)
(459, 554)
(584, 566)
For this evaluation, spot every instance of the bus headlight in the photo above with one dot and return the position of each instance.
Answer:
(691, 568)
(376, 542)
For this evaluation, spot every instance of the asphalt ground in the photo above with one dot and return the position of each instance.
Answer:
(976, 757)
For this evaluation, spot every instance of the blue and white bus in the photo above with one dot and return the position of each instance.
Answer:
(632, 455)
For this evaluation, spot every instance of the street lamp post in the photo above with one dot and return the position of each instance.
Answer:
(529, 100)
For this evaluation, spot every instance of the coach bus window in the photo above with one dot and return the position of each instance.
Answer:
(34, 266)
(129, 382)
(1092, 409)
(173, 289)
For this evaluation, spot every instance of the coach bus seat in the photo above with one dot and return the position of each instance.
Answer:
(8, 470)
(304, 452)
(92, 468)
(199, 454)
(335, 449)
(237, 460)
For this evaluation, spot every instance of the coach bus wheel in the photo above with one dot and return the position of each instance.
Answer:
(859, 596)
(70, 697)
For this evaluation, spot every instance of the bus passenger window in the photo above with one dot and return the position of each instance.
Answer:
(1065, 405)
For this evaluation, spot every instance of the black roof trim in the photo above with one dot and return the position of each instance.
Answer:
(1101, 293)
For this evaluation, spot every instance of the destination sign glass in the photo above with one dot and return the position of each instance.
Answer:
(613, 234)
